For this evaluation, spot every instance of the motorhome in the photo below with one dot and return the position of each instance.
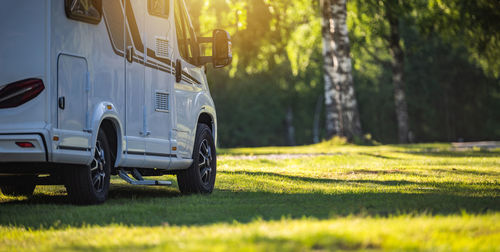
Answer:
(94, 88)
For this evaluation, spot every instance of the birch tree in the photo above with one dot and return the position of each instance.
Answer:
(397, 65)
(342, 115)
(382, 29)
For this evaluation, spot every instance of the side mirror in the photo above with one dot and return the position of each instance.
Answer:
(221, 49)
(222, 54)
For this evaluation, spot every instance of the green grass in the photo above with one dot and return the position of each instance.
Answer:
(335, 197)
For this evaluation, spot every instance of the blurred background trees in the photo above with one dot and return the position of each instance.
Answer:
(445, 55)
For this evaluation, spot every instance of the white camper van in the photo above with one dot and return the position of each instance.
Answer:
(94, 88)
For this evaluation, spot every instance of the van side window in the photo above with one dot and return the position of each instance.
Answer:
(89, 11)
(186, 39)
(160, 8)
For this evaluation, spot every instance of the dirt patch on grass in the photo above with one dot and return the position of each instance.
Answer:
(274, 156)
(364, 171)
(484, 145)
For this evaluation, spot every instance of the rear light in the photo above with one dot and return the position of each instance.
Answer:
(20, 92)
(25, 145)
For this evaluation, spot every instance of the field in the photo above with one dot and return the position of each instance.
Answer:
(424, 197)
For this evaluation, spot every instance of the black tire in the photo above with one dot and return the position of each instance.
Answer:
(22, 186)
(87, 185)
(200, 176)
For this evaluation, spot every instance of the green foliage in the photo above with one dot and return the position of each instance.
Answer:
(447, 93)
(396, 198)
(452, 97)
(474, 23)
(451, 68)
(277, 65)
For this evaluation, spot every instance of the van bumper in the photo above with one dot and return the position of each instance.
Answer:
(11, 152)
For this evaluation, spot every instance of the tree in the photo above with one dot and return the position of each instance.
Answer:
(475, 23)
(397, 65)
(268, 95)
(380, 22)
(276, 50)
(342, 115)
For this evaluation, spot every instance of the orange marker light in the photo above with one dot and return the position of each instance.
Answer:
(55, 138)
(109, 107)
(174, 148)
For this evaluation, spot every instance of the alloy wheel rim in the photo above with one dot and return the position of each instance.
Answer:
(97, 165)
(205, 161)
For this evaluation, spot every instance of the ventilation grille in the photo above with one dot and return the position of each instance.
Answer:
(161, 47)
(161, 102)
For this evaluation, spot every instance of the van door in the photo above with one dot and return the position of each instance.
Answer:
(72, 92)
(158, 82)
(134, 83)
(189, 84)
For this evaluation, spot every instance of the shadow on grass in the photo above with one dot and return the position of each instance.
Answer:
(442, 187)
(146, 206)
(121, 192)
(300, 179)
(377, 155)
(468, 172)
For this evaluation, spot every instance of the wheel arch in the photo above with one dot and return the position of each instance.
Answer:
(106, 117)
(110, 128)
(207, 117)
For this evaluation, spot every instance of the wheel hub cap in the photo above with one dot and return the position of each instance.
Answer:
(97, 165)
(205, 161)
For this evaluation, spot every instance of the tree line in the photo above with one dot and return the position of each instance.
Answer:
(372, 70)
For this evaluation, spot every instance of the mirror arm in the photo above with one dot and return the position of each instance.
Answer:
(203, 60)
(205, 40)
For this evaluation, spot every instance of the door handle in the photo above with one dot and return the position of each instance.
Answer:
(61, 102)
(178, 71)
(130, 54)
(147, 133)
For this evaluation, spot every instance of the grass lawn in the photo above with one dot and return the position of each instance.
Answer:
(322, 197)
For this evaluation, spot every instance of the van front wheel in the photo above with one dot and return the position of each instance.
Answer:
(90, 184)
(200, 176)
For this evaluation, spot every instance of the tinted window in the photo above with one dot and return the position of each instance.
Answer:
(181, 33)
(186, 39)
(89, 11)
(160, 8)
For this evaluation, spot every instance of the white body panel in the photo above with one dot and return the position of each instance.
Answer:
(155, 118)
(24, 52)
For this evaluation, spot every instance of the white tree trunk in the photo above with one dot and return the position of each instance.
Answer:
(397, 64)
(342, 115)
(332, 94)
